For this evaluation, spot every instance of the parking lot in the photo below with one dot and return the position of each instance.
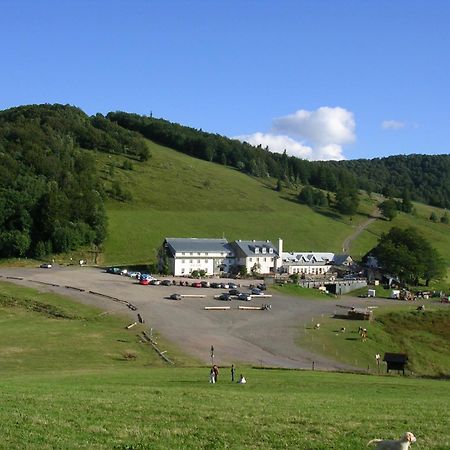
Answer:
(263, 337)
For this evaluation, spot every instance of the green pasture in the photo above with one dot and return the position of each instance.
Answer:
(161, 408)
(423, 335)
(42, 331)
(179, 196)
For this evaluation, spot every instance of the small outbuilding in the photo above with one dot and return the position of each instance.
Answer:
(396, 361)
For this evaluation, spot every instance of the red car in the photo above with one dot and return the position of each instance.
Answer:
(196, 284)
(144, 281)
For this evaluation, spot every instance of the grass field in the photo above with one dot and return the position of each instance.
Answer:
(423, 336)
(177, 409)
(175, 195)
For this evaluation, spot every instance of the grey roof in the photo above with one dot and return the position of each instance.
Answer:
(249, 247)
(198, 245)
(307, 258)
(340, 259)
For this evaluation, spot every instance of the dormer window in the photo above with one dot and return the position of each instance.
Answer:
(270, 250)
(256, 249)
(264, 250)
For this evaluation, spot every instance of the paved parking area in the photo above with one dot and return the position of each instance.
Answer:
(266, 338)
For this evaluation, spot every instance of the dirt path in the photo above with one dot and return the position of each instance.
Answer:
(266, 338)
(359, 229)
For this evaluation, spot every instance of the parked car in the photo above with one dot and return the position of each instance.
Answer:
(224, 285)
(261, 286)
(196, 284)
(45, 266)
(134, 274)
(124, 272)
(166, 282)
(155, 282)
(225, 296)
(215, 285)
(244, 296)
(256, 291)
(144, 281)
(233, 292)
(145, 276)
(232, 285)
(175, 297)
(114, 270)
(205, 284)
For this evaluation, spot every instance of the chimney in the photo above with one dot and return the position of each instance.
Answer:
(280, 246)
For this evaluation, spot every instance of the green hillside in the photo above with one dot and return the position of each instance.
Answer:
(180, 196)
(177, 195)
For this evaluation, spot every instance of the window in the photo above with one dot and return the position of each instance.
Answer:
(182, 261)
(265, 259)
(206, 253)
(271, 250)
(264, 249)
(191, 254)
(256, 249)
(251, 259)
(182, 253)
(182, 270)
(198, 261)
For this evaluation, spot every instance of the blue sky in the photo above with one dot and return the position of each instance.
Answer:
(324, 79)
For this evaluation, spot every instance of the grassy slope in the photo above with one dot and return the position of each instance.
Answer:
(176, 195)
(178, 408)
(424, 336)
(57, 390)
(41, 331)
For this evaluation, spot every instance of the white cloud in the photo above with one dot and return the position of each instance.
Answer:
(323, 126)
(278, 143)
(392, 124)
(313, 135)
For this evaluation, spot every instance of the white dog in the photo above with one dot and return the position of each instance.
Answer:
(401, 444)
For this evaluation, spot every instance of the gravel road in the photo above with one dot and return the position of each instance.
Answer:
(266, 338)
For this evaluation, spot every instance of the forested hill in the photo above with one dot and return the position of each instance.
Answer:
(51, 199)
(423, 178)
(52, 195)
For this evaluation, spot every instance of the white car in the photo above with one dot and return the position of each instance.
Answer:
(45, 266)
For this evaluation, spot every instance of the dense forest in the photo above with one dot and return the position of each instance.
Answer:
(52, 199)
(423, 178)
(50, 196)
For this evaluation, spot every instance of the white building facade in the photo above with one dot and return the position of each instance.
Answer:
(185, 255)
(306, 263)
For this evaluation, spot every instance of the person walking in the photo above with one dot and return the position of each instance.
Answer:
(233, 373)
(216, 373)
(212, 378)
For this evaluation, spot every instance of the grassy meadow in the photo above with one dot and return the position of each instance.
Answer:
(161, 408)
(179, 196)
(73, 377)
(423, 335)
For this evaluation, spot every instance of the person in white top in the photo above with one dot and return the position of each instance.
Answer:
(242, 379)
